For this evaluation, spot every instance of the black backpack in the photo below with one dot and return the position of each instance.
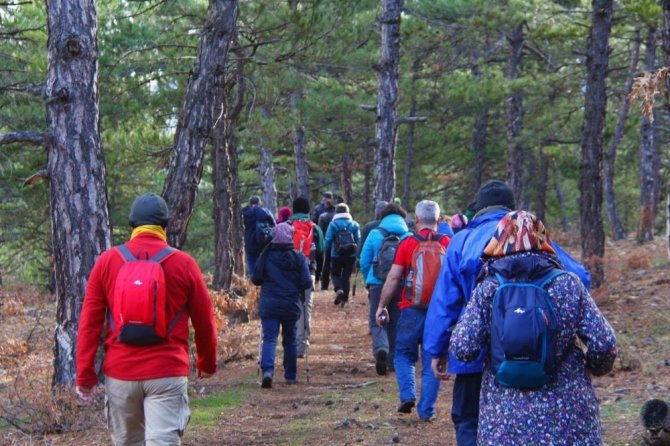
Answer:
(345, 243)
(383, 260)
(263, 233)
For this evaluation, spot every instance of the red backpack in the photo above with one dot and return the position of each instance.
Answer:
(303, 237)
(424, 269)
(138, 313)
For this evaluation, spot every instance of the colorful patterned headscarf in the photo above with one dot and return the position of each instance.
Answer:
(518, 231)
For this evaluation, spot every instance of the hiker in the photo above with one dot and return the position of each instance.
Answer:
(283, 274)
(416, 266)
(258, 224)
(326, 199)
(458, 222)
(516, 408)
(369, 226)
(453, 290)
(444, 226)
(342, 240)
(146, 361)
(284, 214)
(308, 239)
(324, 220)
(376, 261)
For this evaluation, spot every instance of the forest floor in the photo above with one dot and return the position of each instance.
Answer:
(339, 399)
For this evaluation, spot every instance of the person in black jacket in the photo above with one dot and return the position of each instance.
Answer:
(283, 275)
(324, 220)
(254, 215)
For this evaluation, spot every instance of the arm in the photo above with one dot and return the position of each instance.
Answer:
(318, 240)
(473, 331)
(330, 233)
(368, 253)
(202, 317)
(258, 274)
(389, 290)
(91, 323)
(597, 334)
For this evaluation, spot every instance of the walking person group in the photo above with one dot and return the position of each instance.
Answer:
(491, 299)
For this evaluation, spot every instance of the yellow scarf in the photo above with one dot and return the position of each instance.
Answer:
(151, 229)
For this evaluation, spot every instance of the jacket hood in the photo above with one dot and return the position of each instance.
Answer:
(284, 256)
(394, 224)
(494, 213)
(342, 216)
(522, 267)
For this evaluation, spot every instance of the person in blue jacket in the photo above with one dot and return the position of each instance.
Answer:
(393, 221)
(252, 215)
(283, 275)
(453, 289)
(341, 265)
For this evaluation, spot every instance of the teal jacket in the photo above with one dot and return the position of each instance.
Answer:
(394, 224)
(338, 223)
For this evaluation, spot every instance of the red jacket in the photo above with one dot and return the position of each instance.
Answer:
(185, 287)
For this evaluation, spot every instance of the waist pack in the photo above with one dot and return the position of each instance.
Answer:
(524, 329)
(345, 242)
(383, 261)
(138, 313)
(424, 269)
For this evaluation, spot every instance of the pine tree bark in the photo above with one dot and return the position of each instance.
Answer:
(647, 155)
(269, 187)
(197, 116)
(299, 150)
(387, 101)
(541, 183)
(345, 178)
(409, 151)
(665, 34)
(367, 178)
(591, 186)
(515, 150)
(76, 167)
(610, 156)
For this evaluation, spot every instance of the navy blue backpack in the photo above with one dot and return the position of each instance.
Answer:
(523, 333)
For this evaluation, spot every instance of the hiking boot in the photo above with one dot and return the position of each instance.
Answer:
(267, 380)
(290, 382)
(339, 297)
(380, 362)
(406, 406)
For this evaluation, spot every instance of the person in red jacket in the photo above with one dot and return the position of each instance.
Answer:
(146, 385)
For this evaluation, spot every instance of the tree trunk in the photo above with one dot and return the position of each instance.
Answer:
(387, 101)
(197, 117)
(267, 171)
(299, 150)
(591, 186)
(515, 155)
(666, 52)
(345, 179)
(76, 167)
(610, 155)
(541, 185)
(367, 177)
(561, 204)
(409, 154)
(647, 180)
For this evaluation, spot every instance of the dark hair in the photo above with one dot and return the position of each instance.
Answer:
(301, 206)
(391, 209)
(255, 199)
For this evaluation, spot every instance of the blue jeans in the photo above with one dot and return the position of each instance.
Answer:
(383, 338)
(408, 339)
(270, 336)
(465, 407)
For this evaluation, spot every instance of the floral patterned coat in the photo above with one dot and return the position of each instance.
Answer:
(562, 412)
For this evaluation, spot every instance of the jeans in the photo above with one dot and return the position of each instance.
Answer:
(465, 407)
(150, 412)
(304, 324)
(251, 262)
(269, 348)
(340, 271)
(384, 337)
(325, 272)
(408, 340)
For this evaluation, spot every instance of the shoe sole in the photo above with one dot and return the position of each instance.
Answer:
(267, 383)
(380, 364)
(406, 407)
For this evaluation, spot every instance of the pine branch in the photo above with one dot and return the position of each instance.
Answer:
(35, 138)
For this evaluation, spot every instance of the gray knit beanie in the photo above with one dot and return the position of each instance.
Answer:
(148, 209)
(282, 233)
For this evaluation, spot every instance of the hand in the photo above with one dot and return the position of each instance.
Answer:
(204, 375)
(86, 393)
(439, 366)
(382, 316)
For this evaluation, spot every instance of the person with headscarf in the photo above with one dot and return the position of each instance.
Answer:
(564, 410)
(283, 276)
(284, 214)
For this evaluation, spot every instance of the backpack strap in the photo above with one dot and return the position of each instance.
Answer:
(383, 231)
(125, 253)
(128, 256)
(551, 276)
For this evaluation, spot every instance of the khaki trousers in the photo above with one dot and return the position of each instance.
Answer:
(153, 412)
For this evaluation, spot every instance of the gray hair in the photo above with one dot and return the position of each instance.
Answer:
(379, 207)
(427, 212)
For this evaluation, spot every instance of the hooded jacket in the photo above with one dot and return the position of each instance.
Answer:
(394, 224)
(253, 215)
(339, 222)
(457, 280)
(283, 275)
